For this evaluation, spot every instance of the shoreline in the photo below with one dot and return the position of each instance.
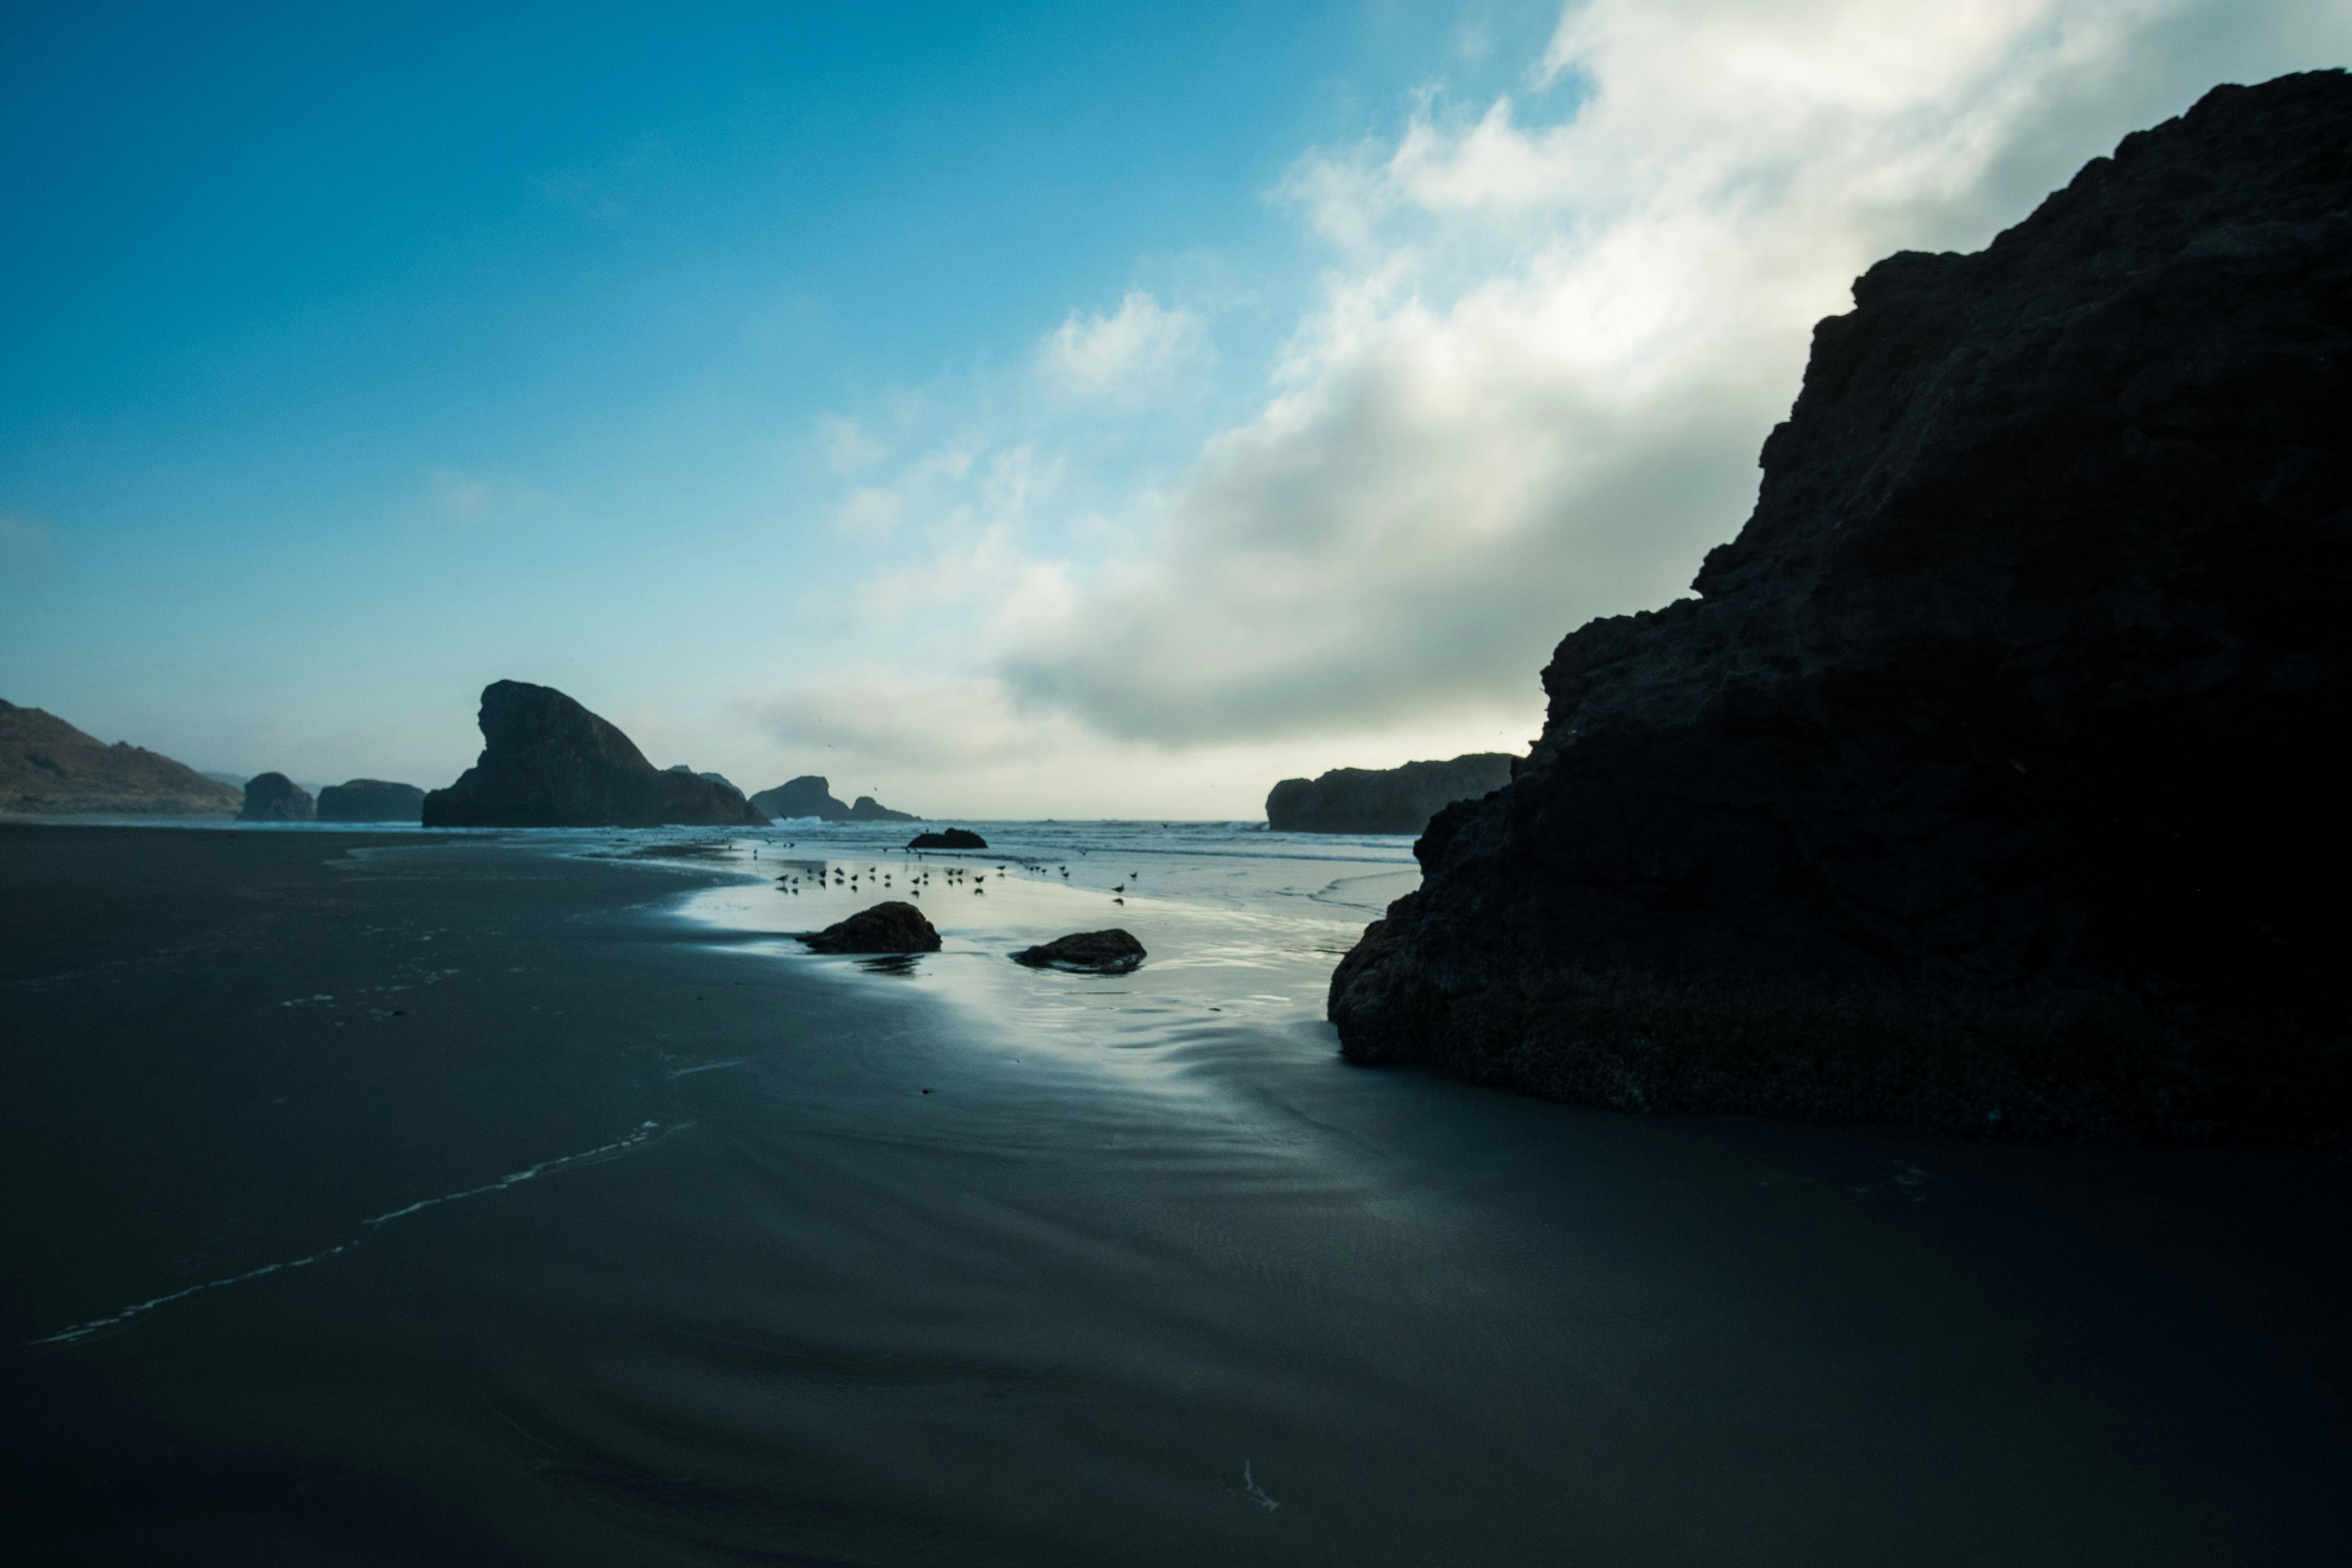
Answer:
(1134, 1236)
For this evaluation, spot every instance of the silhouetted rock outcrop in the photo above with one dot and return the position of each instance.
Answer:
(1112, 951)
(274, 797)
(371, 800)
(1383, 800)
(808, 796)
(47, 765)
(549, 762)
(811, 794)
(953, 838)
(1994, 780)
(892, 926)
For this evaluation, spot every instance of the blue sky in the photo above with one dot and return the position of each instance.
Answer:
(1059, 410)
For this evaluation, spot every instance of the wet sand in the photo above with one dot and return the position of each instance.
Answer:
(607, 1228)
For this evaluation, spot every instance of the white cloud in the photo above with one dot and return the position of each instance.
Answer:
(1536, 381)
(943, 743)
(1555, 328)
(458, 498)
(1135, 356)
(871, 512)
(847, 445)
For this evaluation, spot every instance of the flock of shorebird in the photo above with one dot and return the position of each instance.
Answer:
(850, 880)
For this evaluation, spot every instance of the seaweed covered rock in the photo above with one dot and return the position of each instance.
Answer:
(1993, 780)
(274, 797)
(892, 926)
(549, 762)
(1112, 951)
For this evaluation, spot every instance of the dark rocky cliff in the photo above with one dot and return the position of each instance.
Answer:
(811, 794)
(47, 765)
(1996, 779)
(371, 800)
(1383, 800)
(274, 797)
(549, 762)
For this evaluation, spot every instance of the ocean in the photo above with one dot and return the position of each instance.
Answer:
(534, 1197)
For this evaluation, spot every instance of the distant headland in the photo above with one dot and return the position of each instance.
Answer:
(1383, 800)
(49, 766)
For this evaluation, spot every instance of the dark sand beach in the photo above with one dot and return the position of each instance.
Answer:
(393, 1198)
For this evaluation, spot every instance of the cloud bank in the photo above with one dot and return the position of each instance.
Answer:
(1135, 355)
(1552, 333)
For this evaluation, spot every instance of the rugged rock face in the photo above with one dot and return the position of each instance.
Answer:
(274, 797)
(371, 800)
(953, 838)
(812, 796)
(808, 796)
(47, 765)
(549, 762)
(1112, 951)
(1383, 800)
(892, 926)
(1995, 780)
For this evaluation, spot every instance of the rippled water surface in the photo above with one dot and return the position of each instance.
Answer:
(535, 1198)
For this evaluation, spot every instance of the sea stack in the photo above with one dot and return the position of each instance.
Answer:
(811, 794)
(1383, 800)
(274, 797)
(549, 762)
(1993, 780)
(371, 800)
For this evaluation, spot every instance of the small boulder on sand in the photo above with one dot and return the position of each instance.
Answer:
(893, 927)
(1112, 951)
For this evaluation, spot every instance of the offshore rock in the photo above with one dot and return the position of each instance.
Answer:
(809, 795)
(812, 796)
(892, 926)
(549, 762)
(1112, 951)
(371, 800)
(47, 765)
(953, 838)
(867, 809)
(1383, 800)
(1993, 783)
(274, 797)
